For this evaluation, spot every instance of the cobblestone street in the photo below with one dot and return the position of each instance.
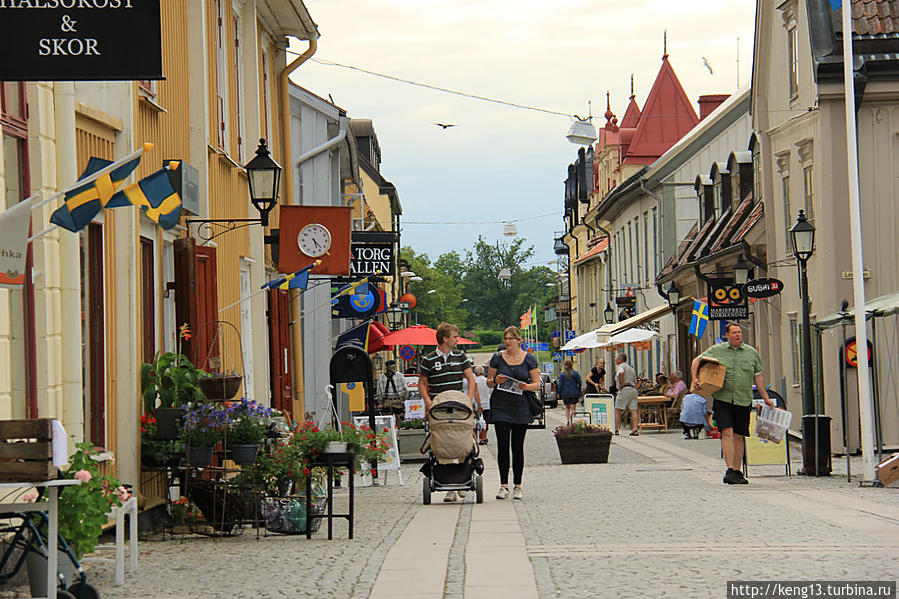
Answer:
(649, 523)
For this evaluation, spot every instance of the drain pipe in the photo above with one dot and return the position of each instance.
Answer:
(284, 83)
(341, 135)
(608, 235)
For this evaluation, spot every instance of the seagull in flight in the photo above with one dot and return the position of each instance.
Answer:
(445, 126)
(705, 62)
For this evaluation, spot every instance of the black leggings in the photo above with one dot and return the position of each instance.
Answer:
(504, 433)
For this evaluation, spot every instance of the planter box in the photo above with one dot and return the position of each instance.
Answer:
(584, 448)
(409, 444)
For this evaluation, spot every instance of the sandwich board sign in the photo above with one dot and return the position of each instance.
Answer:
(391, 459)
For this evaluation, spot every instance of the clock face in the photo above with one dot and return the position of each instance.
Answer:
(314, 240)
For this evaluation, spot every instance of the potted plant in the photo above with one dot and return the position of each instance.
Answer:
(247, 429)
(202, 428)
(583, 443)
(168, 383)
(410, 436)
(154, 453)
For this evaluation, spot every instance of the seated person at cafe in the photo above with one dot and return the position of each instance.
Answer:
(676, 384)
(694, 415)
(662, 383)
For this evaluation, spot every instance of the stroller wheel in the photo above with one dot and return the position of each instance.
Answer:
(89, 591)
(426, 491)
(479, 488)
(61, 594)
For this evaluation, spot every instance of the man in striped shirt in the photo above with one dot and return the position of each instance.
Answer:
(444, 368)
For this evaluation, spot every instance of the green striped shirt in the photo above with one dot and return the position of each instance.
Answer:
(444, 373)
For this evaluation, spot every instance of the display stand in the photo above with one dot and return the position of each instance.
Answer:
(330, 461)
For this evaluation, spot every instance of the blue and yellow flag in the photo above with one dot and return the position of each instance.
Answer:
(700, 318)
(155, 196)
(297, 280)
(84, 203)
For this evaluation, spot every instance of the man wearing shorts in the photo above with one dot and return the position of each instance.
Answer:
(733, 401)
(626, 382)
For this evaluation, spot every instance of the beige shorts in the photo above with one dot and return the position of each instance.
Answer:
(626, 399)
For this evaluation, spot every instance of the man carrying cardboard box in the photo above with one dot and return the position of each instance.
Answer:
(733, 401)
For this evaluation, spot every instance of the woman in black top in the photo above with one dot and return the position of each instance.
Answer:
(596, 380)
(509, 409)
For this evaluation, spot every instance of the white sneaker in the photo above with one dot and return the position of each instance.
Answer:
(503, 493)
(516, 493)
(451, 497)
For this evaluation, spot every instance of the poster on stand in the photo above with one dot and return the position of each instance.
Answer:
(601, 408)
(391, 459)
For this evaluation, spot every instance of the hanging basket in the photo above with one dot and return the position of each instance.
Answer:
(220, 387)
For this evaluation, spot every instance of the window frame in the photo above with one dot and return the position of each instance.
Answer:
(808, 187)
(221, 77)
(796, 357)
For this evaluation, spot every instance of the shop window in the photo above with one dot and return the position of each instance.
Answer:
(809, 188)
(794, 351)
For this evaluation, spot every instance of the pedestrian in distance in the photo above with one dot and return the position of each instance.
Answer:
(733, 401)
(443, 370)
(694, 415)
(483, 396)
(391, 390)
(568, 387)
(596, 378)
(626, 383)
(512, 372)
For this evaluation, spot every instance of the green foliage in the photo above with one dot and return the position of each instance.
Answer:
(84, 509)
(488, 339)
(579, 428)
(171, 379)
(246, 432)
(407, 425)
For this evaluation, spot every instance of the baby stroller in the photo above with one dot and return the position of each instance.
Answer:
(453, 463)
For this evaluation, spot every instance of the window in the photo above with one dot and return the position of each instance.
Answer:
(238, 78)
(638, 267)
(794, 349)
(655, 245)
(793, 57)
(646, 262)
(788, 216)
(221, 79)
(756, 174)
(630, 253)
(716, 194)
(266, 98)
(809, 187)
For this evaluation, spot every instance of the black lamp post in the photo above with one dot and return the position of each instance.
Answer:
(673, 295)
(815, 433)
(264, 175)
(742, 269)
(394, 318)
(609, 313)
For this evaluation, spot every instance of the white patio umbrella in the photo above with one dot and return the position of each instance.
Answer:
(585, 341)
(630, 336)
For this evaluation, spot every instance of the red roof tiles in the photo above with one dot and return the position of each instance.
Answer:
(872, 17)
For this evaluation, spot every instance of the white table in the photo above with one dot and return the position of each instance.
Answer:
(51, 506)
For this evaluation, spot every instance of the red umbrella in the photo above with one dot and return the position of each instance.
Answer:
(418, 334)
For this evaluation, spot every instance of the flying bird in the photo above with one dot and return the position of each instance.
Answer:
(445, 126)
(705, 61)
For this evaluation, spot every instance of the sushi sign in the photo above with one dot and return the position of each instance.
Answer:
(761, 288)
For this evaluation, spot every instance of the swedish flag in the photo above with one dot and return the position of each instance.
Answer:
(84, 203)
(297, 280)
(700, 318)
(155, 196)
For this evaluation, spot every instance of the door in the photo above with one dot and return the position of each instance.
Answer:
(279, 348)
(196, 300)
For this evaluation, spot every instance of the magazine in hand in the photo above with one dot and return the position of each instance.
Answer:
(511, 385)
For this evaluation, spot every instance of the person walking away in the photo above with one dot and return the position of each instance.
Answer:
(391, 389)
(569, 388)
(733, 401)
(694, 415)
(511, 372)
(443, 370)
(596, 378)
(483, 396)
(626, 383)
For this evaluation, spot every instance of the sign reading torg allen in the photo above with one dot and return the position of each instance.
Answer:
(80, 40)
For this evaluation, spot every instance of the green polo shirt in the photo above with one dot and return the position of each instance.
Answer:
(742, 364)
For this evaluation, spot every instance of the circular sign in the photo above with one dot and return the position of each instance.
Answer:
(850, 353)
(407, 352)
(362, 303)
(760, 288)
(409, 299)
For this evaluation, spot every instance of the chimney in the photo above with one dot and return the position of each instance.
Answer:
(709, 102)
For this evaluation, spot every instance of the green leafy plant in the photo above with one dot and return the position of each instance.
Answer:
(248, 422)
(152, 451)
(204, 425)
(579, 428)
(170, 379)
(406, 425)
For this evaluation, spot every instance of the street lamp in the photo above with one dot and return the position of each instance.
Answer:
(432, 291)
(673, 295)
(510, 230)
(416, 278)
(741, 271)
(263, 175)
(394, 317)
(802, 234)
(504, 274)
(609, 313)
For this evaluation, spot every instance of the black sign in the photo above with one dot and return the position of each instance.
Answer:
(77, 40)
(626, 300)
(372, 254)
(760, 288)
(726, 300)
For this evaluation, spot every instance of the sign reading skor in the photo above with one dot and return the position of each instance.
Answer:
(76, 40)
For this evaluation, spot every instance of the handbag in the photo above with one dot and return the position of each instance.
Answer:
(534, 405)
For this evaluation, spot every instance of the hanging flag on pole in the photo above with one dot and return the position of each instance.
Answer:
(155, 196)
(526, 319)
(13, 244)
(84, 203)
(700, 318)
(297, 280)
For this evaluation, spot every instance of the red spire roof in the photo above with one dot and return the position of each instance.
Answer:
(667, 115)
(631, 115)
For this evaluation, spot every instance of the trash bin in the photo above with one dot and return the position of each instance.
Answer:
(816, 432)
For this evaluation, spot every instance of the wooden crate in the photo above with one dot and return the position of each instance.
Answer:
(26, 451)
(888, 470)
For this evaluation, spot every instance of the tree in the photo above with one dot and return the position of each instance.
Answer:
(444, 304)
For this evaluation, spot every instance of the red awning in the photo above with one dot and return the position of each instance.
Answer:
(418, 334)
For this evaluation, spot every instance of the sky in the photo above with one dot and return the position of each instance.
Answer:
(501, 163)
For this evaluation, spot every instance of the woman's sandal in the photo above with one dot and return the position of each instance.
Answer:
(635, 434)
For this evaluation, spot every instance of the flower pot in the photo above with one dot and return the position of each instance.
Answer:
(584, 448)
(409, 443)
(167, 423)
(335, 447)
(220, 388)
(199, 457)
(244, 454)
(36, 565)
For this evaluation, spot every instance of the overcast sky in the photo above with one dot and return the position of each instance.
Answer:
(504, 163)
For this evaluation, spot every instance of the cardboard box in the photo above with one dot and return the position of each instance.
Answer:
(711, 377)
(888, 470)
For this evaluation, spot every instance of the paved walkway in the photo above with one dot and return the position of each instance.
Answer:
(649, 523)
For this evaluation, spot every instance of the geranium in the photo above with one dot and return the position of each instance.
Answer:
(83, 476)
(579, 428)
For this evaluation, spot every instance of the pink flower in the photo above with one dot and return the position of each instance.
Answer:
(83, 476)
(29, 496)
(123, 494)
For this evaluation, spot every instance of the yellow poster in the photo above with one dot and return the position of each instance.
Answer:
(760, 452)
(356, 393)
(601, 409)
